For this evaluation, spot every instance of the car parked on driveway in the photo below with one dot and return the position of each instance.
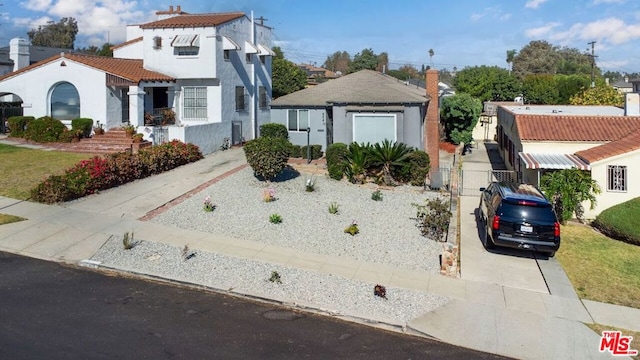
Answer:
(518, 216)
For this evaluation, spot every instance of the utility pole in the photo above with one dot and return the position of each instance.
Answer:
(593, 63)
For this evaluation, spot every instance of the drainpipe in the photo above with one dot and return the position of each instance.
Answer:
(253, 81)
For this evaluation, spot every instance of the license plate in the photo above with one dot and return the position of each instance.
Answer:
(526, 229)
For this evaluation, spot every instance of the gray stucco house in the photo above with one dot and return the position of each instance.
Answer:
(366, 106)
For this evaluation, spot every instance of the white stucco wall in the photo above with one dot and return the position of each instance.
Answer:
(131, 51)
(607, 199)
(35, 86)
(485, 131)
(556, 147)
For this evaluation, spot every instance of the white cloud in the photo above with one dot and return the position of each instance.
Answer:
(37, 5)
(542, 31)
(31, 23)
(597, 2)
(534, 4)
(611, 30)
(494, 12)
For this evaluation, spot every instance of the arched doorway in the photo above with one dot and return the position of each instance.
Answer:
(64, 103)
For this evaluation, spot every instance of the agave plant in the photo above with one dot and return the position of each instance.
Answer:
(357, 162)
(387, 155)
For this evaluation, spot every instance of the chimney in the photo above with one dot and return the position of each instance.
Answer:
(19, 53)
(626, 79)
(432, 127)
(170, 9)
(178, 11)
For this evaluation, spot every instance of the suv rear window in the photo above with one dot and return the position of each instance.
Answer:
(529, 212)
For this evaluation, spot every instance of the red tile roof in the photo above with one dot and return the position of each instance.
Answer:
(130, 69)
(193, 20)
(575, 128)
(624, 145)
(132, 41)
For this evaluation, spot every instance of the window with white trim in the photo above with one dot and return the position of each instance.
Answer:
(194, 106)
(616, 178)
(298, 120)
(64, 102)
(240, 103)
(186, 50)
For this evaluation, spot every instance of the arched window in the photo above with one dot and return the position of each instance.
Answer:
(65, 102)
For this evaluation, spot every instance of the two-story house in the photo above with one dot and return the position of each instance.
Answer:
(210, 73)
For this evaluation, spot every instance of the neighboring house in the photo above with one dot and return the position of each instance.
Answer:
(485, 129)
(317, 75)
(212, 71)
(20, 54)
(623, 86)
(365, 106)
(535, 139)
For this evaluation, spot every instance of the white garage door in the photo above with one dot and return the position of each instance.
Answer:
(373, 128)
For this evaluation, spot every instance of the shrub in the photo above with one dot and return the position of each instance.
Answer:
(295, 151)
(99, 173)
(44, 129)
(274, 130)
(267, 156)
(415, 170)
(336, 160)
(334, 208)
(18, 125)
(376, 195)
(275, 219)
(352, 229)
(316, 152)
(69, 135)
(84, 125)
(433, 218)
(619, 221)
(358, 161)
(389, 155)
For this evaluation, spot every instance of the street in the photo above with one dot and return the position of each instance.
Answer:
(54, 311)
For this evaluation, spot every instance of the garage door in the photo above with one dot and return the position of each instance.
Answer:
(373, 128)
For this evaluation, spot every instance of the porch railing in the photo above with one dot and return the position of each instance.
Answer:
(160, 117)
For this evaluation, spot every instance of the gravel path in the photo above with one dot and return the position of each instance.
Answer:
(388, 235)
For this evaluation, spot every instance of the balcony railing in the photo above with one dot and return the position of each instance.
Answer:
(160, 117)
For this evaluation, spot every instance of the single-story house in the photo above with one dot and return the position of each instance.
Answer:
(365, 107)
(534, 139)
(209, 74)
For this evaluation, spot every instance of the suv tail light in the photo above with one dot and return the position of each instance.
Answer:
(556, 229)
(496, 222)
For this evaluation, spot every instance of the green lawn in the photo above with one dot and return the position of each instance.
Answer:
(600, 268)
(22, 169)
(8, 219)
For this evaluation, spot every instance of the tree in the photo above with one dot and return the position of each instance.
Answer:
(286, 76)
(511, 54)
(567, 189)
(572, 61)
(105, 50)
(613, 76)
(366, 59)
(599, 95)
(338, 61)
(61, 34)
(537, 57)
(431, 53)
(459, 114)
(570, 85)
(540, 89)
(487, 83)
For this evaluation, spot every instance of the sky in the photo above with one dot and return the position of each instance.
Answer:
(461, 32)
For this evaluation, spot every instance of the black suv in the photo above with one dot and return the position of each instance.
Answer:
(518, 216)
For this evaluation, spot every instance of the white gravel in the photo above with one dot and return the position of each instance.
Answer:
(387, 236)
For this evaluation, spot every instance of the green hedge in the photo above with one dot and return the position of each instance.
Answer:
(82, 124)
(415, 168)
(44, 129)
(336, 160)
(267, 156)
(274, 130)
(295, 151)
(316, 152)
(100, 173)
(621, 221)
(18, 125)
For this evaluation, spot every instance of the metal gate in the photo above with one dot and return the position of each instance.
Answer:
(160, 135)
(8, 110)
(472, 180)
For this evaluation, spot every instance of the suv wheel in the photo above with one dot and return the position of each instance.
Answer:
(488, 243)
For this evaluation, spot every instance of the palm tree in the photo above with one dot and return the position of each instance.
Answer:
(388, 155)
(431, 53)
(358, 160)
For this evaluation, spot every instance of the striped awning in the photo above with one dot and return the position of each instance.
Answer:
(188, 40)
(553, 161)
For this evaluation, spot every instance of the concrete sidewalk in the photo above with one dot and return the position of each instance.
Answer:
(501, 314)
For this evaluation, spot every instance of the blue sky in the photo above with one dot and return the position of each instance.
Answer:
(461, 32)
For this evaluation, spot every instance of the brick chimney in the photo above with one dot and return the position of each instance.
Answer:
(432, 122)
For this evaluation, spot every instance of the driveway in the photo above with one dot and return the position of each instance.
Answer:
(504, 267)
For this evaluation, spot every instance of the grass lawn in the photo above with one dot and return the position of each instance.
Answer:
(635, 343)
(8, 219)
(600, 268)
(22, 169)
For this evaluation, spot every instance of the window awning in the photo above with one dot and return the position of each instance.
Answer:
(228, 44)
(265, 51)
(190, 40)
(553, 161)
(250, 48)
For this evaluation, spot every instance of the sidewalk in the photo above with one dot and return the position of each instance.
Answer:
(501, 317)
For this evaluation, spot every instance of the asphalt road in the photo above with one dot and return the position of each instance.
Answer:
(53, 311)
